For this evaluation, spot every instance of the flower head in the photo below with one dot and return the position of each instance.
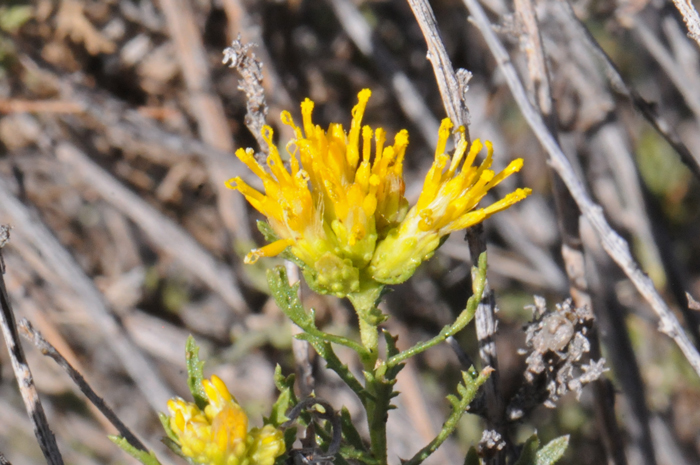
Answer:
(342, 211)
(451, 192)
(219, 435)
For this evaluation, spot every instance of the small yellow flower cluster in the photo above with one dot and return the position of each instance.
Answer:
(447, 203)
(219, 434)
(343, 212)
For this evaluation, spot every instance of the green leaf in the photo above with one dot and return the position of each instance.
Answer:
(356, 456)
(472, 457)
(391, 348)
(340, 460)
(467, 392)
(283, 383)
(464, 318)
(350, 433)
(283, 402)
(547, 455)
(195, 373)
(290, 437)
(146, 458)
(529, 452)
(287, 298)
(325, 350)
(553, 451)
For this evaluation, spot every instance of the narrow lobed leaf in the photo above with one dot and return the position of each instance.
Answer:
(195, 373)
(146, 458)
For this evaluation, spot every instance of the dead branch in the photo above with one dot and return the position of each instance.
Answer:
(47, 349)
(23, 374)
(57, 257)
(613, 244)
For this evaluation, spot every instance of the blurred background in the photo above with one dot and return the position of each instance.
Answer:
(118, 124)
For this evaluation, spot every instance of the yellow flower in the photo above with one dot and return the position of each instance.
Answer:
(343, 212)
(447, 203)
(219, 435)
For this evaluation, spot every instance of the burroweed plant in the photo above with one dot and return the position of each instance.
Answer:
(338, 211)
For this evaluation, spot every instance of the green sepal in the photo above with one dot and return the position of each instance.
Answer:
(145, 457)
(165, 421)
(472, 457)
(443, 239)
(267, 231)
(195, 373)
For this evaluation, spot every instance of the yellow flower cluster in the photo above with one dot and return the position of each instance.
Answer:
(343, 212)
(219, 435)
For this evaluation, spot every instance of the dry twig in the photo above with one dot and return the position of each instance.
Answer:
(613, 244)
(453, 85)
(57, 257)
(565, 13)
(240, 57)
(47, 349)
(569, 216)
(23, 374)
(691, 18)
(412, 104)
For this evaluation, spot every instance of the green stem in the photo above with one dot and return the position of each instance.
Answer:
(377, 409)
(370, 317)
(287, 299)
(335, 339)
(325, 350)
(376, 385)
(479, 281)
(468, 391)
(369, 335)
